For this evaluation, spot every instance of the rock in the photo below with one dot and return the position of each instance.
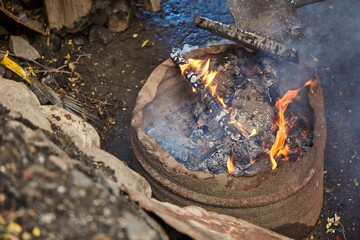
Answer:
(81, 133)
(127, 179)
(118, 22)
(80, 179)
(3, 31)
(2, 71)
(101, 34)
(22, 48)
(79, 40)
(18, 98)
(35, 24)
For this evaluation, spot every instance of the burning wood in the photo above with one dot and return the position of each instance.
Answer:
(207, 92)
(278, 146)
(248, 39)
(234, 94)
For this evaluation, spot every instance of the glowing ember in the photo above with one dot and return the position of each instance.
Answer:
(253, 132)
(281, 104)
(239, 126)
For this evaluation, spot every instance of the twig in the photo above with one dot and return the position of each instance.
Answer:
(342, 230)
(53, 70)
(76, 61)
(98, 101)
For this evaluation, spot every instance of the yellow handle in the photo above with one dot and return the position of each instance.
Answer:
(14, 67)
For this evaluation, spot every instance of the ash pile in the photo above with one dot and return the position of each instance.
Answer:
(231, 124)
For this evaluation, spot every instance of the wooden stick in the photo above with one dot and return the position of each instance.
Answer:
(249, 40)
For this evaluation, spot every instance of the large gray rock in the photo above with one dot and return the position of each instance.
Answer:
(18, 98)
(22, 48)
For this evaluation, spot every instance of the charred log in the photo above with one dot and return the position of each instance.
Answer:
(249, 40)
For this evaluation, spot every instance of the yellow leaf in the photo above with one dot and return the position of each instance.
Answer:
(315, 59)
(72, 66)
(14, 227)
(135, 35)
(144, 43)
(67, 56)
(36, 232)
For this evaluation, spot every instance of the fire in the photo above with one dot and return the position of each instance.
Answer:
(281, 104)
(253, 132)
(221, 101)
(230, 163)
(207, 77)
(239, 126)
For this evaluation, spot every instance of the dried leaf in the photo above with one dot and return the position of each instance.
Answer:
(144, 43)
(72, 66)
(330, 220)
(111, 120)
(36, 232)
(328, 225)
(26, 236)
(67, 56)
(330, 230)
(135, 35)
(2, 220)
(315, 59)
(337, 218)
(14, 227)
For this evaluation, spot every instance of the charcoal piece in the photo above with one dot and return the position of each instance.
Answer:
(216, 163)
(261, 164)
(250, 40)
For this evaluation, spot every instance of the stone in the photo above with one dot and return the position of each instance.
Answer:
(18, 98)
(81, 133)
(118, 22)
(100, 34)
(2, 71)
(80, 179)
(22, 48)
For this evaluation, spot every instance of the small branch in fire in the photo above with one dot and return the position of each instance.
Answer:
(222, 114)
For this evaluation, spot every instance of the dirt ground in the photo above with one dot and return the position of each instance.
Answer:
(117, 70)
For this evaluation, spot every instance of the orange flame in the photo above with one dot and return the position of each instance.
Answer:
(221, 101)
(203, 72)
(239, 126)
(281, 105)
(230, 163)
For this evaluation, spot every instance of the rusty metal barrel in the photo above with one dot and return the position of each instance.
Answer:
(287, 200)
